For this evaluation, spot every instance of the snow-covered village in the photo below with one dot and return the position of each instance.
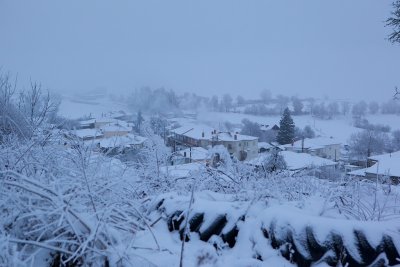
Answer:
(156, 134)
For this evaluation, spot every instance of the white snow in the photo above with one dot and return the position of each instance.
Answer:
(296, 161)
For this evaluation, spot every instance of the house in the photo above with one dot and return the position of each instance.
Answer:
(241, 146)
(88, 134)
(87, 124)
(386, 165)
(115, 130)
(325, 147)
(377, 158)
(121, 143)
(99, 122)
(266, 127)
(191, 154)
(298, 161)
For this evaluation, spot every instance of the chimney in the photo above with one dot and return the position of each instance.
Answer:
(202, 134)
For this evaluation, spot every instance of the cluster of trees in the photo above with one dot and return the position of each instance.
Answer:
(373, 140)
(154, 101)
(287, 133)
(254, 129)
(167, 101)
(365, 124)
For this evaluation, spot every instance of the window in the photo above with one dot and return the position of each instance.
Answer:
(229, 146)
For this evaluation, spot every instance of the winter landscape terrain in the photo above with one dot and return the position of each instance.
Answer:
(217, 134)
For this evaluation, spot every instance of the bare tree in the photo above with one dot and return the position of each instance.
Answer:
(396, 93)
(368, 142)
(227, 102)
(11, 119)
(394, 22)
(36, 105)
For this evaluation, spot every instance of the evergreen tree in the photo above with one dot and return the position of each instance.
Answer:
(286, 130)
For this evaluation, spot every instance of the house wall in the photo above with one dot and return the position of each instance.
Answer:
(331, 152)
(235, 148)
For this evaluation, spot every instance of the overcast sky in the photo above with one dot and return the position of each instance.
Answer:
(318, 48)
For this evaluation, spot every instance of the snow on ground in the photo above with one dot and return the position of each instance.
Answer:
(387, 119)
(75, 108)
(326, 128)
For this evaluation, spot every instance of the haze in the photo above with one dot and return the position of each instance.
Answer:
(307, 48)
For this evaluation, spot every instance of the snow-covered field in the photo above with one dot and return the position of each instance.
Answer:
(74, 108)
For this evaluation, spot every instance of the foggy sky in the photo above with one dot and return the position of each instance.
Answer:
(334, 48)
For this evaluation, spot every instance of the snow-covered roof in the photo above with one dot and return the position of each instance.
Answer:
(204, 132)
(387, 164)
(87, 133)
(122, 141)
(387, 167)
(227, 136)
(105, 120)
(359, 172)
(296, 161)
(195, 131)
(85, 122)
(386, 156)
(266, 127)
(115, 128)
(314, 143)
(197, 153)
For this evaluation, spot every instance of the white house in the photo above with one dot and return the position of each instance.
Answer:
(87, 124)
(115, 130)
(88, 134)
(241, 146)
(325, 147)
(125, 141)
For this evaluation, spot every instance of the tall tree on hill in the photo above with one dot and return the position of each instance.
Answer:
(286, 128)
